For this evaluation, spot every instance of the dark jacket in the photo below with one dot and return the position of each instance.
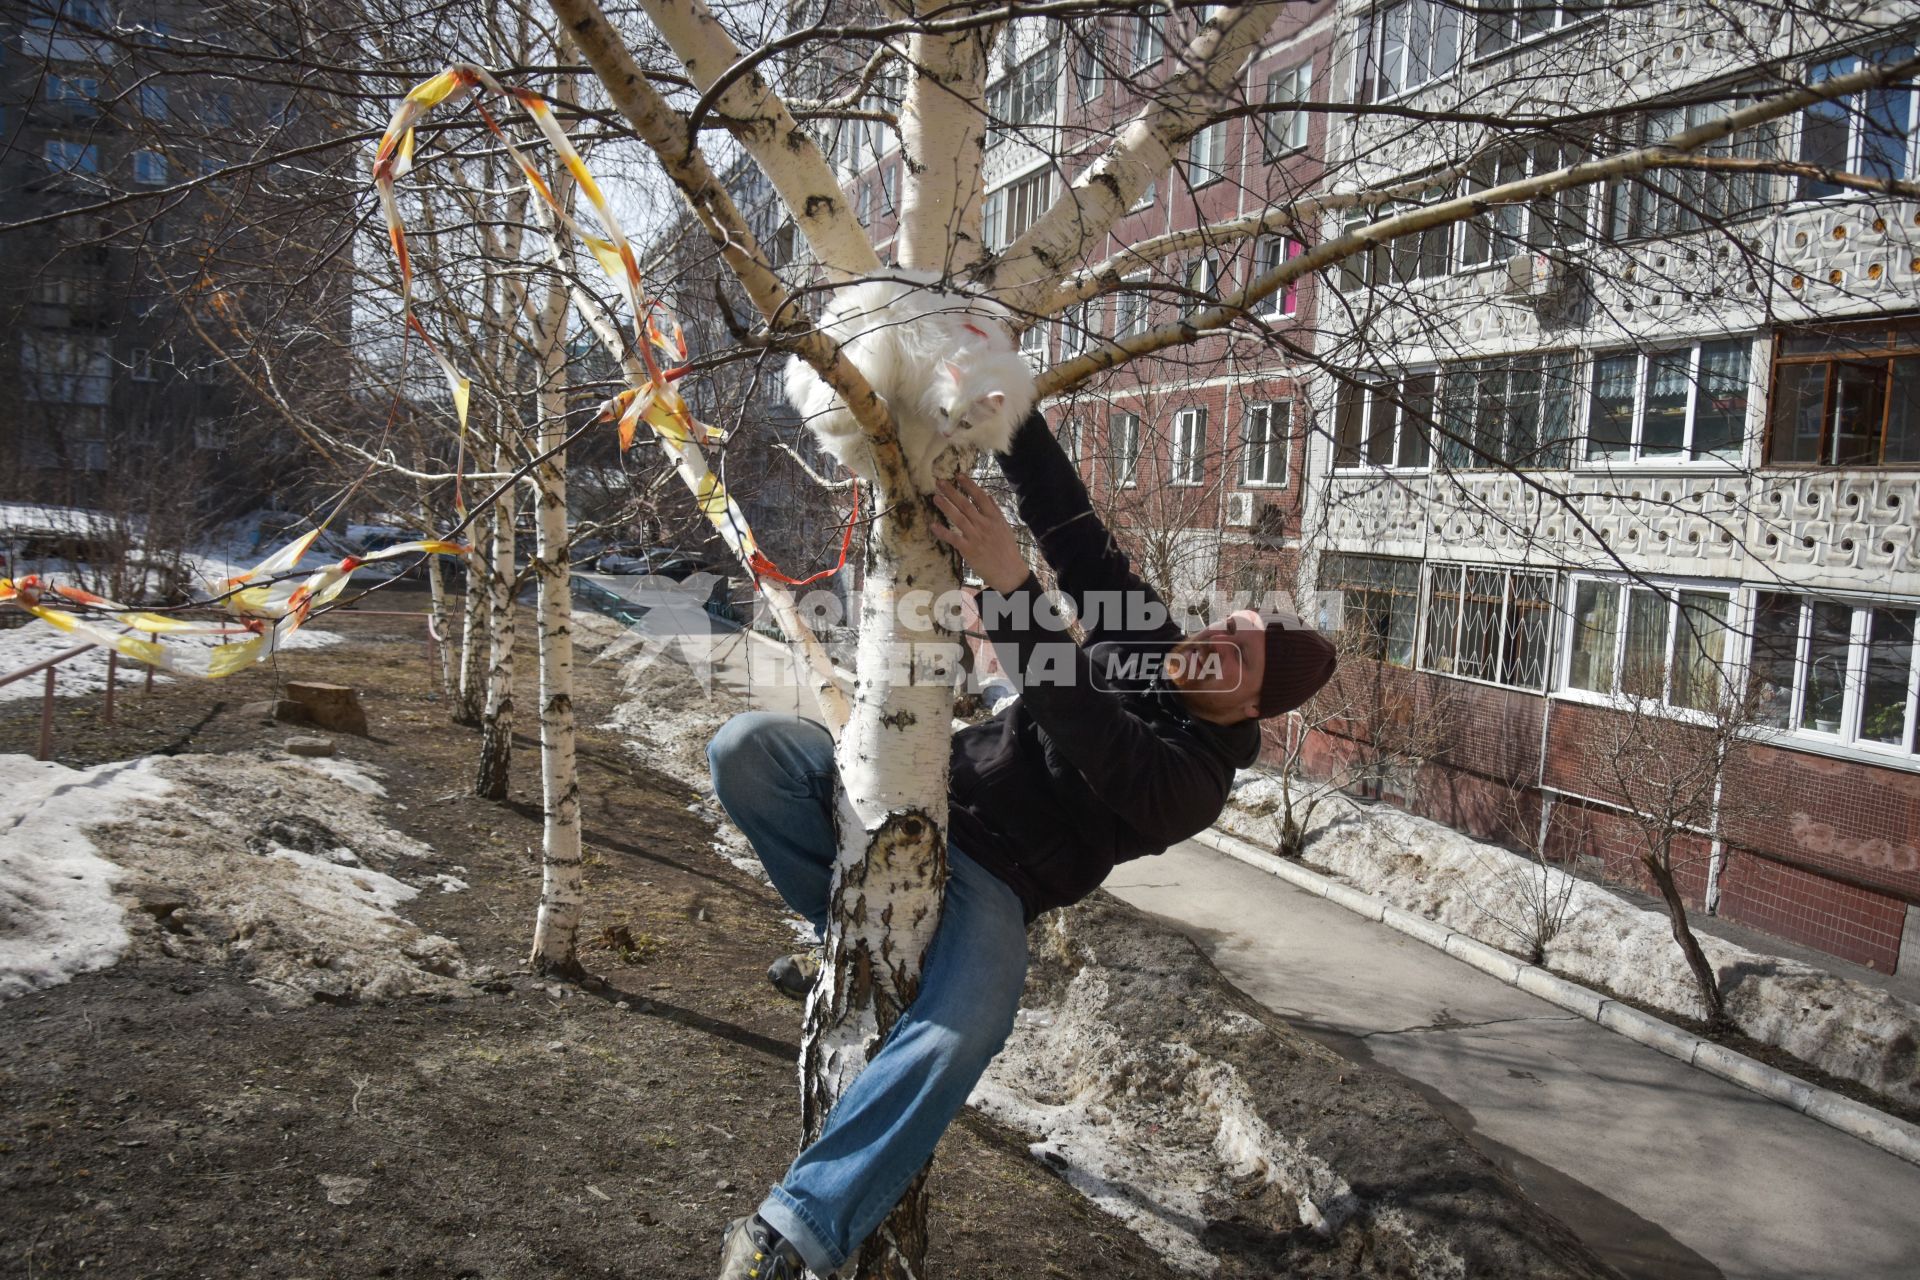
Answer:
(1074, 778)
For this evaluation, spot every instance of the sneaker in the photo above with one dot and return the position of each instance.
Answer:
(792, 976)
(753, 1250)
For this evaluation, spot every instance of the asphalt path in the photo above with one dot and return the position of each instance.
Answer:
(1663, 1170)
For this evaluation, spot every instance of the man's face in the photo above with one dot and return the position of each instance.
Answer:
(1220, 668)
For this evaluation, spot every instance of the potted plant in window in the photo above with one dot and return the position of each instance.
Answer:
(1826, 684)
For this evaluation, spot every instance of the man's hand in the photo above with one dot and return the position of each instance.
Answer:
(976, 529)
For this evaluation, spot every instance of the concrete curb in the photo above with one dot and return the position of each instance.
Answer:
(1890, 1134)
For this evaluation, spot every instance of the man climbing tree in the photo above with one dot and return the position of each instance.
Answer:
(1099, 761)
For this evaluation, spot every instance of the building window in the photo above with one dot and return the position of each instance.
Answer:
(153, 101)
(1404, 46)
(1090, 61)
(1263, 443)
(890, 190)
(140, 366)
(1489, 624)
(1287, 130)
(1079, 329)
(59, 367)
(1553, 221)
(1189, 446)
(1123, 449)
(1025, 96)
(1501, 24)
(1015, 207)
(1203, 288)
(1207, 155)
(1149, 37)
(1664, 645)
(1420, 255)
(75, 95)
(1673, 202)
(863, 209)
(1069, 437)
(1670, 405)
(1846, 397)
(1378, 602)
(1130, 310)
(63, 156)
(1870, 133)
(149, 168)
(1270, 252)
(1385, 424)
(1517, 411)
(1840, 670)
(1033, 343)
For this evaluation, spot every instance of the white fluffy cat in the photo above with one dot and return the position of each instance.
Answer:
(944, 362)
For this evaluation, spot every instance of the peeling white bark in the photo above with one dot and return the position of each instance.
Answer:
(942, 141)
(496, 722)
(785, 152)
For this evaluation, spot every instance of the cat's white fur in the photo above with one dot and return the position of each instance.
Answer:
(944, 362)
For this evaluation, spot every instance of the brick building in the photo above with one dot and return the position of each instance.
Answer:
(1620, 451)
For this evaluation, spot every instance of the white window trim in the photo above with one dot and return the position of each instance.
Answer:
(1733, 664)
(1364, 467)
(1846, 740)
(1275, 301)
(1279, 415)
(1204, 173)
(1635, 457)
(1299, 121)
(1142, 299)
(1131, 479)
(1856, 139)
(1189, 445)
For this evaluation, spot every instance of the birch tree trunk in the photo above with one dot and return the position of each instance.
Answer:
(496, 723)
(562, 889)
(470, 698)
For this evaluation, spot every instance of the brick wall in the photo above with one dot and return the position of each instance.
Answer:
(1825, 852)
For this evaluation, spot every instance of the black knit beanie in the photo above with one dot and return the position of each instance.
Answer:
(1299, 661)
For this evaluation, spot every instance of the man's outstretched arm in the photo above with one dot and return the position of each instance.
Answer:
(1053, 502)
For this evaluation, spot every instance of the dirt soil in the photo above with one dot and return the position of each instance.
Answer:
(169, 1117)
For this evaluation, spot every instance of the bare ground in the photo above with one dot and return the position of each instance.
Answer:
(174, 1116)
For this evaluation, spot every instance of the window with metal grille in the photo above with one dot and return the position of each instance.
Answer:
(1488, 624)
(1378, 601)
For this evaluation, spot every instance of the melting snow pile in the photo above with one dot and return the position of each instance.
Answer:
(1846, 1028)
(272, 866)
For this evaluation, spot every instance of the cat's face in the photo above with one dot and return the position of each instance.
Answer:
(964, 409)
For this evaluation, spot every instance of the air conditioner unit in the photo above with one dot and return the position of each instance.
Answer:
(1529, 275)
(1240, 510)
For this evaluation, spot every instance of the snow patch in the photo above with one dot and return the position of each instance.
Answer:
(58, 914)
(1846, 1028)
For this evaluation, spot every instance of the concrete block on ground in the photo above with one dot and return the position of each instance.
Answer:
(1569, 996)
(1485, 958)
(1650, 1031)
(1364, 904)
(1757, 1076)
(331, 706)
(1431, 932)
(1889, 1133)
(309, 746)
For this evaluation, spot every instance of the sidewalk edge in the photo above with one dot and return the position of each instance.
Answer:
(1857, 1119)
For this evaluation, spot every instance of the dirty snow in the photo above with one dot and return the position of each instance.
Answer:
(87, 672)
(1846, 1028)
(268, 865)
(58, 914)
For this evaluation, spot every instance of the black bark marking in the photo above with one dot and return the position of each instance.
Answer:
(898, 719)
(820, 206)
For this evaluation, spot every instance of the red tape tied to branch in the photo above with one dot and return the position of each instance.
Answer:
(766, 568)
(654, 400)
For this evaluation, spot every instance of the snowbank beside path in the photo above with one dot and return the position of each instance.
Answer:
(1845, 1028)
(280, 868)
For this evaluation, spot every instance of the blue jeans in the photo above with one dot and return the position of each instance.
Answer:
(775, 776)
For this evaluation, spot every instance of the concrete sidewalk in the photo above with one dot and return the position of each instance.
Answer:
(1663, 1170)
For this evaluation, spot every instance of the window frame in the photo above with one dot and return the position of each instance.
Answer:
(1204, 172)
(1397, 449)
(1636, 453)
(1284, 303)
(1847, 733)
(1381, 584)
(1888, 354)
(1142, 305)
(1276, 437)
(1149, 44)
(1187, 449)
(1127, 476)
(1502, 646)
(1854, 113)
(1297, 122)
(1732, 661)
